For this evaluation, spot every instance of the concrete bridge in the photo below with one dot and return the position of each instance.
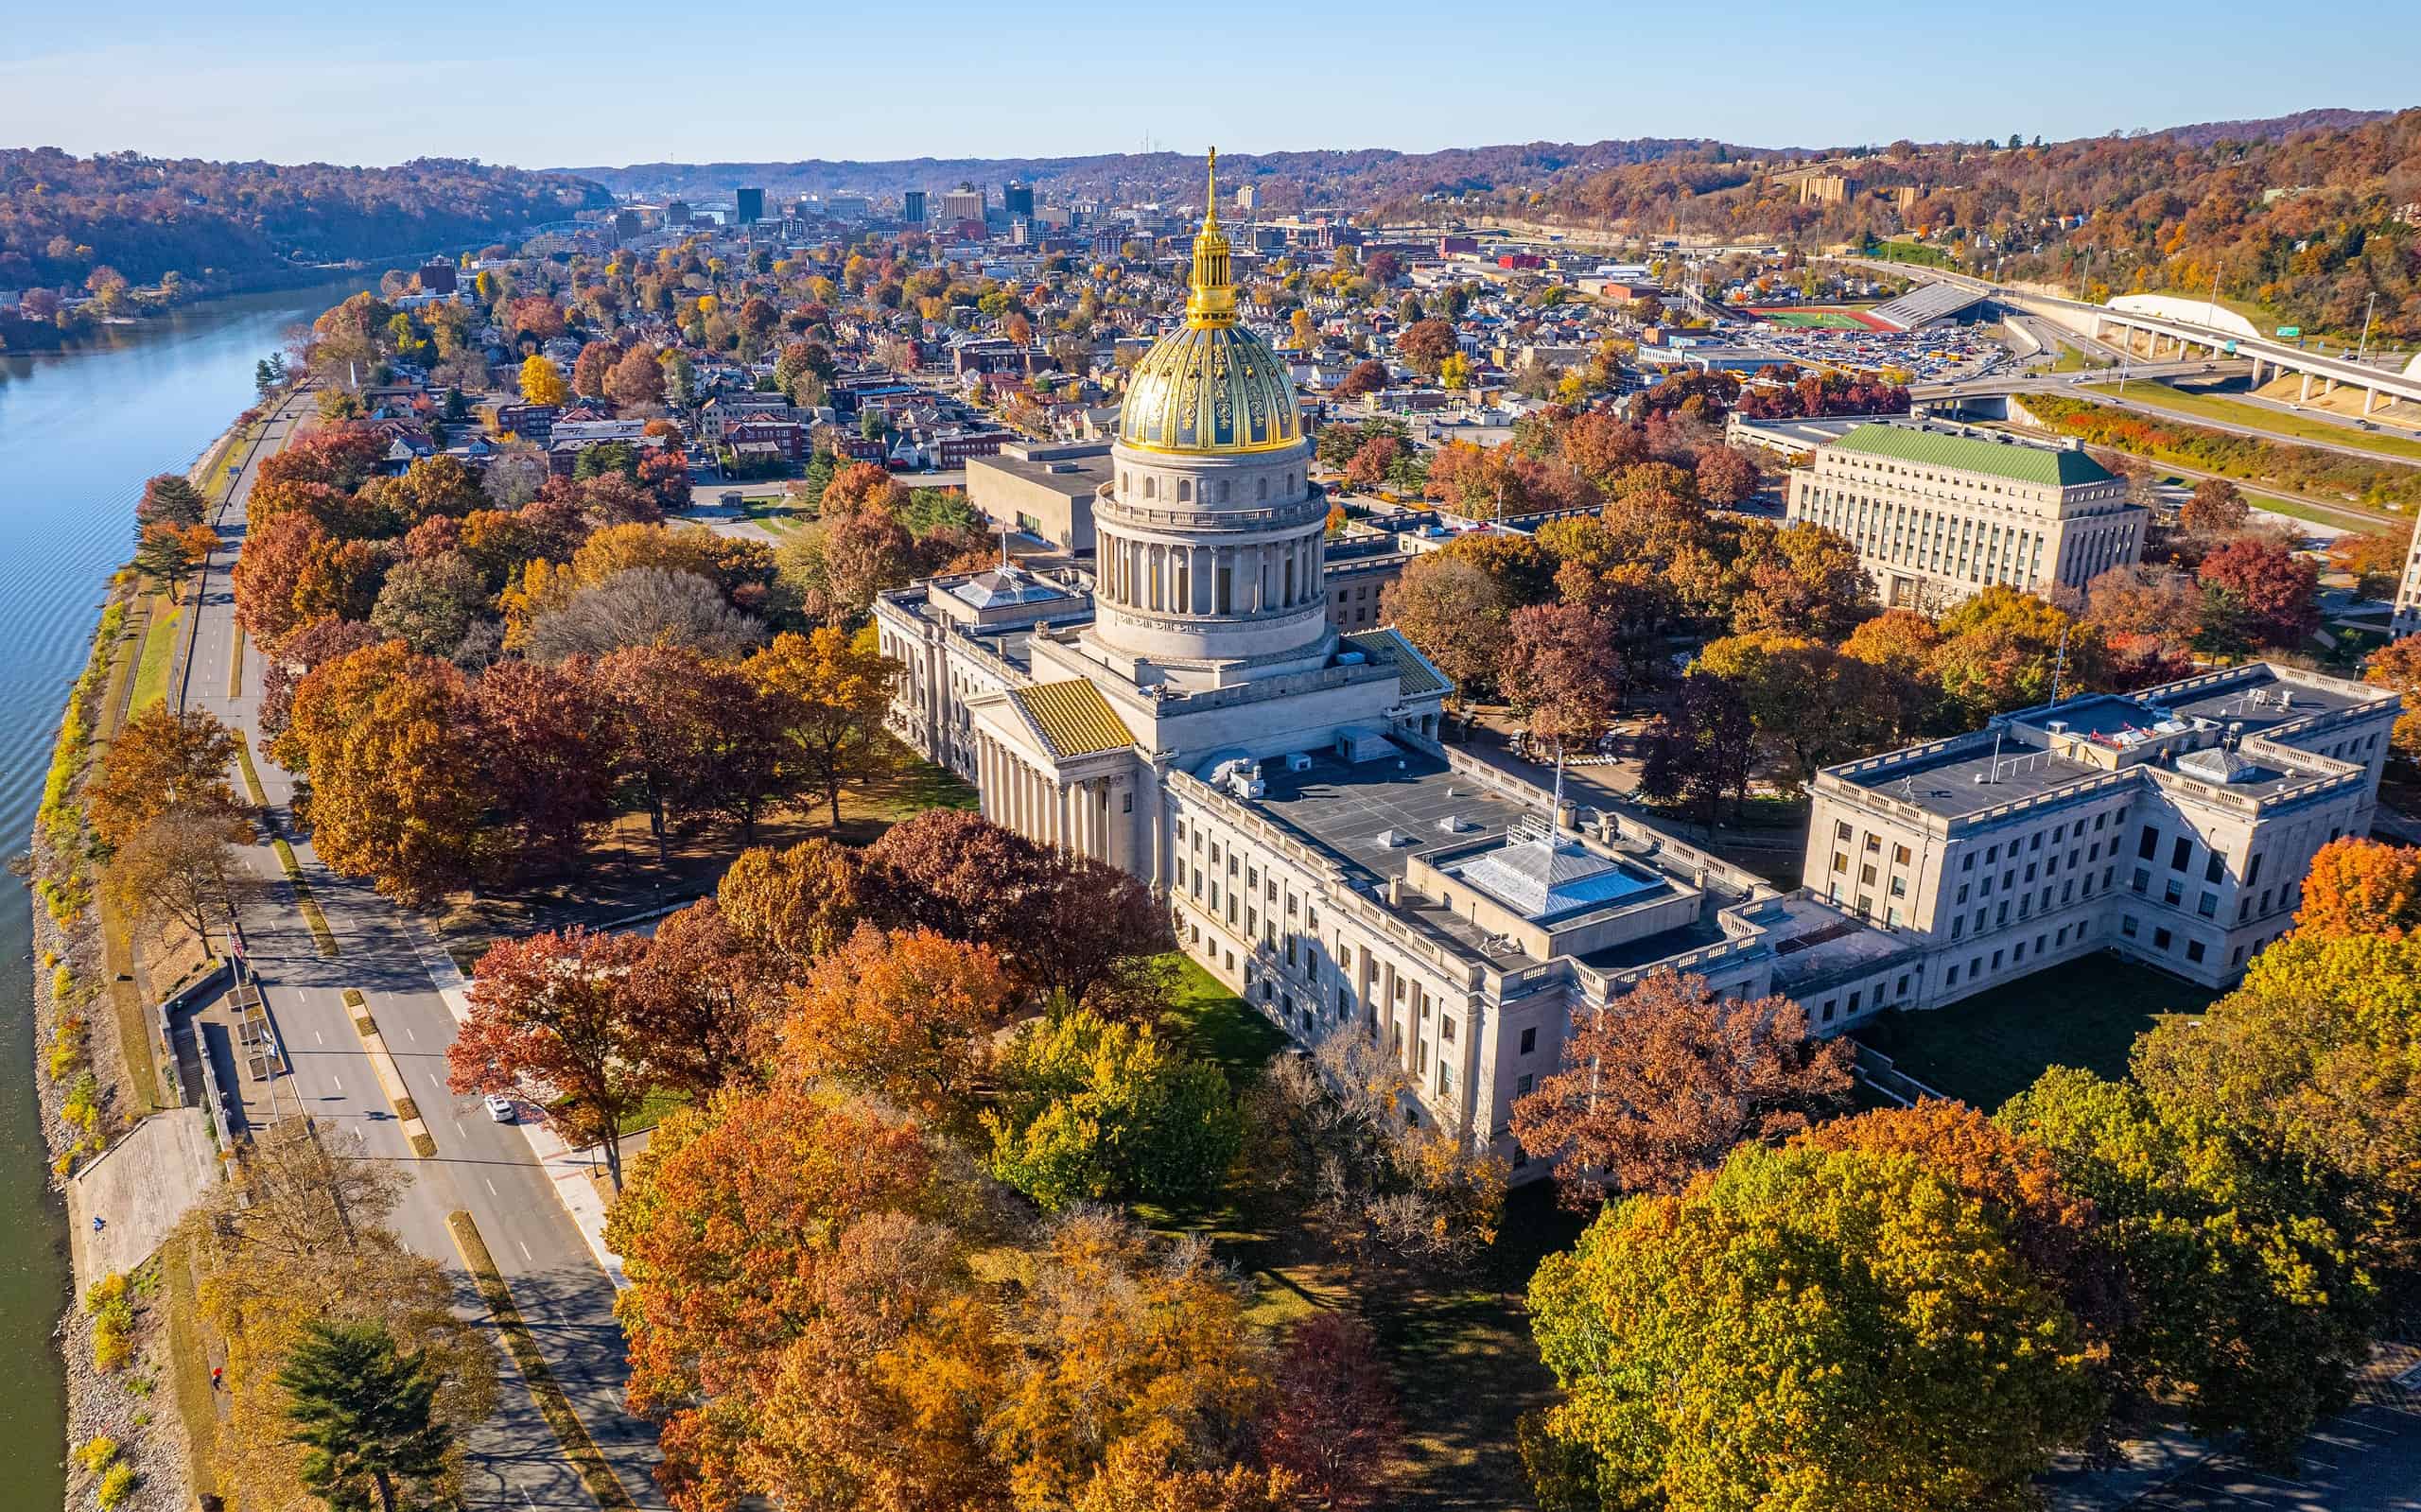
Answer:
(2178, 327)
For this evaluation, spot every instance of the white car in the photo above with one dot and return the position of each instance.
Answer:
(501, 1109)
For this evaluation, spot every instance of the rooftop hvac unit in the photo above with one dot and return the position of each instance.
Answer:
(1453, 824)
(1297, 761)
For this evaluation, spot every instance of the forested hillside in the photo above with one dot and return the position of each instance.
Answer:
(2306, 215)
(235, 223)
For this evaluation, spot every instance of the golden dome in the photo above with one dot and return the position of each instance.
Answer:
(1212, 386)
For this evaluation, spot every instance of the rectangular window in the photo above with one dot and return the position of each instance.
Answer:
(2172, 892)
(1950, 977)
(2149, 844)
(2193, 949)
(2207, 905)
(1529, 1040)
(2160, 939)
(2127, 924)
(2253, 871)
(2181, 854)
(2143, 879)
(1899, 854)
(2216, 869)
(1522, 1083)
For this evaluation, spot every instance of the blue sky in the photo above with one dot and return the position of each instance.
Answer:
(614, 82)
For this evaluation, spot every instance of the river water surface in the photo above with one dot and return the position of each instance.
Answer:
(79, 431)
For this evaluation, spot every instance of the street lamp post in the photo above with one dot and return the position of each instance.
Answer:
(2374, 304)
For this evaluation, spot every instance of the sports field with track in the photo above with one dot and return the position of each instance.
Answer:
(1822, 319)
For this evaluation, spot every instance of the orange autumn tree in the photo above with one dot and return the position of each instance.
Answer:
(795, 905)
(779, 1267)
(161, 760)
(2362, 887)
(804, 1322)
(907, 1015)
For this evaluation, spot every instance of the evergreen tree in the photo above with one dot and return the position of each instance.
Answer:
(366, 1415)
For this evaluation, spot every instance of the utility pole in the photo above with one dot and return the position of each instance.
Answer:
(2367, 308)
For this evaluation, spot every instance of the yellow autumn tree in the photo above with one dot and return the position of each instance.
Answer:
(541, 382)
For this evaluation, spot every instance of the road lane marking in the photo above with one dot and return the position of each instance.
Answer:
(491, 1191)
(336, 1082)
(525, 1253)
(321, 1038)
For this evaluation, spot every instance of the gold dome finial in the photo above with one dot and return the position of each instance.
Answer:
(1213, 299)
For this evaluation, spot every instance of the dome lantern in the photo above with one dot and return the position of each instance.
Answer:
(1211, 386)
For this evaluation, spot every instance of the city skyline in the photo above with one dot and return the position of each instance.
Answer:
(528, 91)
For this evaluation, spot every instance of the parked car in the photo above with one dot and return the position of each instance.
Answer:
(501, 1109)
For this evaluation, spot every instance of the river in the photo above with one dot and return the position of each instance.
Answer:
(79, 431)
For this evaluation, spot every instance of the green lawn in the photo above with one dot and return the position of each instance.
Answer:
(1986, 1048)
(159, 647)
(917, 785)
(2072, 360)
(2258, 417)
(1216, 1024)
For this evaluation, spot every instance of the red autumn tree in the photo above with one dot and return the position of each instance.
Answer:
(637, 380)
(588, 373)
(712, 1002)
(1726, 477)
(553, 1023)
(2269, 585)
(1664, 1081)
(1563, 665)
(1334, 1424)
(547, 740)
(1367, 376)
(956, 872)
(1094, 938)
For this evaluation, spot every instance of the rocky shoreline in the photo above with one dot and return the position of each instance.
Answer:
(79, 1062)
(134, 1405)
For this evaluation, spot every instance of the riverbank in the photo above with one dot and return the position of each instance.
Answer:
(114, 1348)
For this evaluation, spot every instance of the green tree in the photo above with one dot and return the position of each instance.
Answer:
(1813, 1329)
(1093, 1110)
(365, 1414)
(2251, 1305)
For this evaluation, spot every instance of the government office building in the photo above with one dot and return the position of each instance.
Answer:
(2173, 826)
(1939, 513)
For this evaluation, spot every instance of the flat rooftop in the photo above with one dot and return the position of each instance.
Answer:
(1075, 477)
(1344, 810)
(1970, 778)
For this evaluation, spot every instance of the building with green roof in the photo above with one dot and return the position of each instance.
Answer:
(1940, 512)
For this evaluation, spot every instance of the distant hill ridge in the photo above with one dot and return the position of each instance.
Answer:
(1357, 175)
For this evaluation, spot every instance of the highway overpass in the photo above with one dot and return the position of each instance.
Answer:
(2177, 335)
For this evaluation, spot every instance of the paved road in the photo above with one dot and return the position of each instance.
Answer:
(482, 1166)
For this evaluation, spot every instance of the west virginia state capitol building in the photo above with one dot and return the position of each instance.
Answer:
(1194, 717)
